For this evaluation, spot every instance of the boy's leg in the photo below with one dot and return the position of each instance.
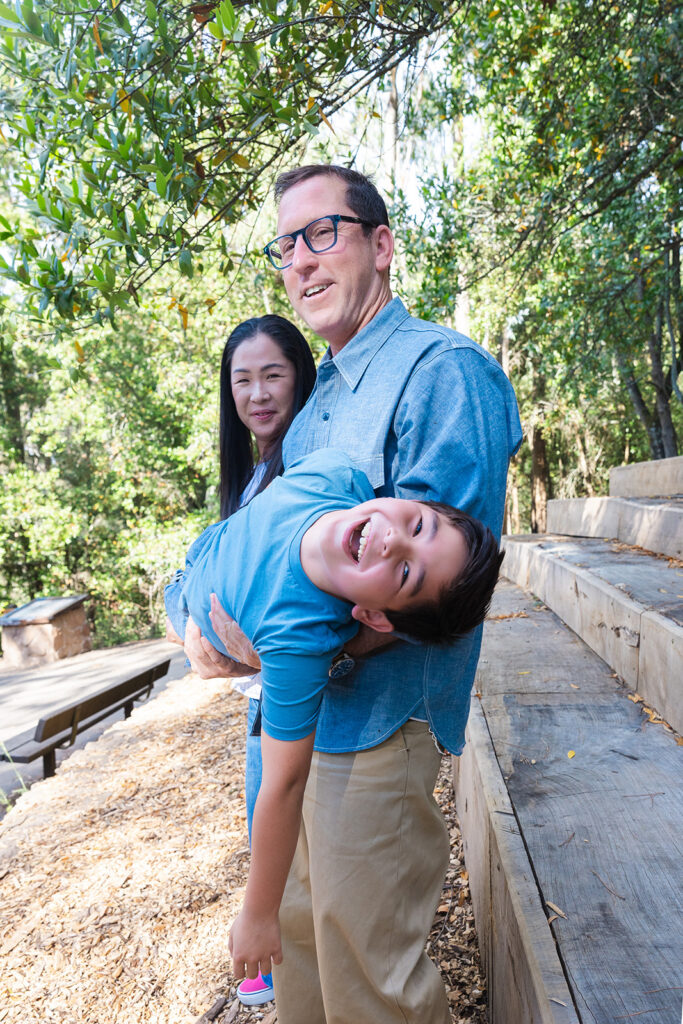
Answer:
(376, 850)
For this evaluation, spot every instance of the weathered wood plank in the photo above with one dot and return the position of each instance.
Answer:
(608, 595)
(525, 980)
(652, 523)
(603, 828)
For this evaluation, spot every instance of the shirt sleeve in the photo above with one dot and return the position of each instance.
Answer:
(453, 434)
(176, 606)
(292, 691)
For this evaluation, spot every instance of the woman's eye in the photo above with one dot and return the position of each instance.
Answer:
(405, 573)
(418, 528)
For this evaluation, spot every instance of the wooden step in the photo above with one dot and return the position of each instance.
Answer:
(645, 479)
(652, 523)
(571, 807)
(626, 604)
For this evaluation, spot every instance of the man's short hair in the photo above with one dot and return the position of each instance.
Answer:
(361, 194)
(464, 602)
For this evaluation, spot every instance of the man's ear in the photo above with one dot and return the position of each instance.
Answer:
(374, 619)
(384, 241)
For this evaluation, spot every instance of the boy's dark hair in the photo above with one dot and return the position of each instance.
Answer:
(464, 602)
(361, 194)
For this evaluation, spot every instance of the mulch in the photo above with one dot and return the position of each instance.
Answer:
(120, 877)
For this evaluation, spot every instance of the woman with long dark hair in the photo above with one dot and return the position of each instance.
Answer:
(261, 393)
(267, 374)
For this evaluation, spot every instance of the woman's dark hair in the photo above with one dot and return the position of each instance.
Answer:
(235, 442)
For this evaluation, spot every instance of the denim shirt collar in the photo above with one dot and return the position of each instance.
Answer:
(355, 357)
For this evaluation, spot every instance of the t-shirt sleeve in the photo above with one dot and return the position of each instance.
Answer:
(292, 691)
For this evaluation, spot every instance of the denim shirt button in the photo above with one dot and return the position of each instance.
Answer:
(326, 415)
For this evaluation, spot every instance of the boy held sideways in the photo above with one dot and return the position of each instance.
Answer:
(299, 568)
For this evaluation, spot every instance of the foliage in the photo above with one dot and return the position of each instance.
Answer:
(556, 217)
(105, 481)
(140, 133)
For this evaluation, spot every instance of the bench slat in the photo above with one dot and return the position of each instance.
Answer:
(72, 715)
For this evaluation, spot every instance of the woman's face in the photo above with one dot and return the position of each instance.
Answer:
(263, 382)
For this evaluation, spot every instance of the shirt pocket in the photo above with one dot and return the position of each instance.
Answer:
(372, 466)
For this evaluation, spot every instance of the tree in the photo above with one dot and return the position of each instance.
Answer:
(143, 132)
(562, 221)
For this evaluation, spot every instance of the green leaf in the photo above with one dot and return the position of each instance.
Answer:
(161, 184)
(185, 263)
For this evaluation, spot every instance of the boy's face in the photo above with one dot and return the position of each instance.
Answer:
(387, 553)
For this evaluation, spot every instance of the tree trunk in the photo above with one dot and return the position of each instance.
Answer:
(662, 387)
(540, 480)
(11, 400)
(652, 427)
(504, 349)
(392, 119)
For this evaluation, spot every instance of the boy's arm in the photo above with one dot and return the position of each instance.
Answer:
(255, 935)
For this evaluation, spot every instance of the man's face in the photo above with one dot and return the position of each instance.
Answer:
(339, 291)
(388, 553)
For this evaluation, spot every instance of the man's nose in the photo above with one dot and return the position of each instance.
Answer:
(302, 256)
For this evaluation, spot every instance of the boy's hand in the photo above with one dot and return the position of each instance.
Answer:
(232, 636)
(254, 943)
(206, 661)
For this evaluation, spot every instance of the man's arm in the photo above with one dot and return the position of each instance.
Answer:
(255, 935)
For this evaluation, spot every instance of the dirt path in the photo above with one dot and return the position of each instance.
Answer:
(120, 876)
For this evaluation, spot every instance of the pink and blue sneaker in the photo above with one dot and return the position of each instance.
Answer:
(254, 991)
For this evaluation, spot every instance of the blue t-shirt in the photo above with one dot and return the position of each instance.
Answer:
(251, 561)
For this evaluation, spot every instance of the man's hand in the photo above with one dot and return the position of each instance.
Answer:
(232, 636)
(254, 942)
(206, 661)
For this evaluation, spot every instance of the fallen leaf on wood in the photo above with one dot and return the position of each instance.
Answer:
(560, 913)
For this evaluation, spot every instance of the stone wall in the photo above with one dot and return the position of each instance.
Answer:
(39, 643)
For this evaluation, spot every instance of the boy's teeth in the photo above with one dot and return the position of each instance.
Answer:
(314, 291)
(363, 540)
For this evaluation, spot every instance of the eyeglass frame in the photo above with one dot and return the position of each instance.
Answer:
(334, 217)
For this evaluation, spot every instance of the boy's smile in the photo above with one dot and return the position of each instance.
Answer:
(384, 554)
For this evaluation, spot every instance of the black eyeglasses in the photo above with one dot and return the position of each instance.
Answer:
(320, 235)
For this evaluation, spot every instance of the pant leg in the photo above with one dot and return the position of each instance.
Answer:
(377, 849)
(253, 764)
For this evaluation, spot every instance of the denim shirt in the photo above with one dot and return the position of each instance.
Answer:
(425, 413)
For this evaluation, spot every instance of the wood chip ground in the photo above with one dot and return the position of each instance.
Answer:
(120, 876)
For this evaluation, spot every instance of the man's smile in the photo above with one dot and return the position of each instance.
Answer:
(314, 289)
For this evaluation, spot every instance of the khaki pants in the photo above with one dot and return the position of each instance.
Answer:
(363, 888)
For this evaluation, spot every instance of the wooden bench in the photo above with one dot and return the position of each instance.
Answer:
(59, 729)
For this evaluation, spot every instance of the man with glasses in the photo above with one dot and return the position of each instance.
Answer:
(425, 413)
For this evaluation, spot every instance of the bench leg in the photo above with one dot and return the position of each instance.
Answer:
(49, 764)
(128, 709)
